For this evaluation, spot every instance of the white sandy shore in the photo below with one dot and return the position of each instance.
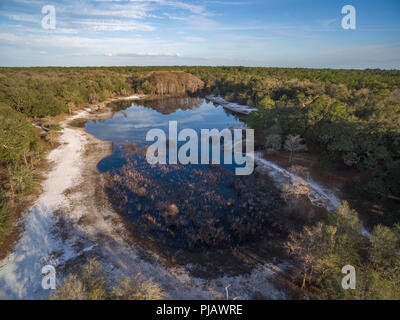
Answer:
(54, 234)
(20, 272)
(234, 107)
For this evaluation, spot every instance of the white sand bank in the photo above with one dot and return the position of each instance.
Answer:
(234, 107)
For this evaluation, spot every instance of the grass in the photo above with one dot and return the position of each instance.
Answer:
(19, 185)
(18, 181)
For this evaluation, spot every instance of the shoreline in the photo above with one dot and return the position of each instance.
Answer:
(72, 221)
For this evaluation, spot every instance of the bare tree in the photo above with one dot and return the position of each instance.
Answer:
(294, 144)
(304, 246)
(71, 107)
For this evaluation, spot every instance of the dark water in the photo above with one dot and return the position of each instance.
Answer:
(181, 207)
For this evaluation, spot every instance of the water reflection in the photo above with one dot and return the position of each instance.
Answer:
(171, 105)
(132, 120)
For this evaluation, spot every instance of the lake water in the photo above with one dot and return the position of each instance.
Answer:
(136, 118)
(181, 206)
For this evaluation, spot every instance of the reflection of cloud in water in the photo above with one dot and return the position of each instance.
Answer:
(146, 125)
(137, 115)
(139, 119)
(150, 124)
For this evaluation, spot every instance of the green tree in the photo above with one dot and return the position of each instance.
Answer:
(266, 103)
(17, 135)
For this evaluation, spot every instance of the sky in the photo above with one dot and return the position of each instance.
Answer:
(271, 33)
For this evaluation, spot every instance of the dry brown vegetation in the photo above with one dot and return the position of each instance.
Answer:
(187, 208)
(91, 283)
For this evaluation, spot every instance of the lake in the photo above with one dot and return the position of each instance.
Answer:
(181, 207)
(136, 118)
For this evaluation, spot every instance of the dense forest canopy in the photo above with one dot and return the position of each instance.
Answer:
(167, 83)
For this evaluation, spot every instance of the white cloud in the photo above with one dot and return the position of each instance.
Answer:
(193, 8)
(327, 22)
(148, 54)
(115, 25)
(65, 30)
(194, 39)
(196, 21)
(132, 11)
(9, 37)
(32, 18)
(190, 7)
(52, 42)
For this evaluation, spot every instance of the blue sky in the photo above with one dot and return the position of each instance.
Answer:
(282, 33)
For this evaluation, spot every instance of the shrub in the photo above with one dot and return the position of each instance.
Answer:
(273, 142)
(90, 283)
(20, 180)
(6, 219)
(134, 290)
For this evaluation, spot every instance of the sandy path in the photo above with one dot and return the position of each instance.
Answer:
(234, 107)
(20, 272)
(72, 220)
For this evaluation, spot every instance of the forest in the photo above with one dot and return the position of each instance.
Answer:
(349, 118)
